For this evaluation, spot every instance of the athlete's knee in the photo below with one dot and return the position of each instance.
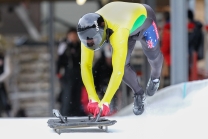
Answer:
(152, 53)
(157, 60)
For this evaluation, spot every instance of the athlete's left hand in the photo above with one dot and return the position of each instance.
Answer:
(105, 109)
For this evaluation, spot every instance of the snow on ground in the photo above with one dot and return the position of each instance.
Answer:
(176, 112)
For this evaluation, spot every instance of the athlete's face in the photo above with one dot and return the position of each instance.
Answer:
(92, 41)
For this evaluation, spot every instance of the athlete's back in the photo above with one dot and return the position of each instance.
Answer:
(122, 14)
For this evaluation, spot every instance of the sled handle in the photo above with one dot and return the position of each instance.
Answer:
(98, 116)
(58, 115)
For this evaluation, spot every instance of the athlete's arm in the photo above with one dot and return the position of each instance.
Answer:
(87, 56)
(119, 42)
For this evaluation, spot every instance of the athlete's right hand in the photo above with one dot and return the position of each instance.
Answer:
(92, 105)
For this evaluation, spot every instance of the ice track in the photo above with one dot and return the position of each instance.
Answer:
(175, 112)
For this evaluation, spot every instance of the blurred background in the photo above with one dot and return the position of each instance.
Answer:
(40, 54)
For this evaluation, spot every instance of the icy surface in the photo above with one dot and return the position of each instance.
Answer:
(177, 112)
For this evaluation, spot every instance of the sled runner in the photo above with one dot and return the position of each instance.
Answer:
(64, 122)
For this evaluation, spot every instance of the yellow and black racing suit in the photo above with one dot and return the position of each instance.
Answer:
(129, 22)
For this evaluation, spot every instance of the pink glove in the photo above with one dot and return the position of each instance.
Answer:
(105, 110)
(91, 107)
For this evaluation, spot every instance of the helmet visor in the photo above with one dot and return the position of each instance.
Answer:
(92, 39)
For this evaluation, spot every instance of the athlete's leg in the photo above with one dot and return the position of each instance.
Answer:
(155, 59)
(151, 48)
(130, 76)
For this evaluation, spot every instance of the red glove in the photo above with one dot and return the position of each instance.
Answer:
(105, 110)
(91, 107)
